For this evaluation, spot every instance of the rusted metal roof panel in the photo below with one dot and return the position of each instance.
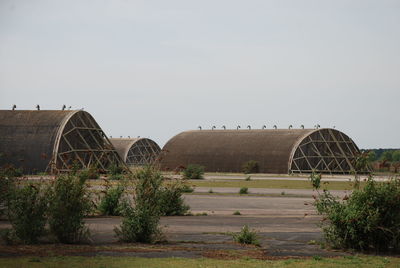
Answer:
(27, 138)
(53, 141)
(136, 151)
(228, 150)
(277, 151)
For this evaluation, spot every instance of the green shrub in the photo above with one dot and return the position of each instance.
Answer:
(237, 212)
(367, 220)
(116, 169)
(7, 185)
(141, 221)
(69, 204)
(248, 178)
(91, 173)
(244, 190)
(193, 172)
(9, 171)
(187, 189)
(250, 167)
(27, 212)
(315, 180)
(246, 236)
(111, 202)
(171, 201)
(117, 177)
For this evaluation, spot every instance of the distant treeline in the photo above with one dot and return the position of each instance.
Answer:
(379, 153)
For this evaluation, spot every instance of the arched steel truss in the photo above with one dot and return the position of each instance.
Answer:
(83, 142)
(143, 152)
(324, 151)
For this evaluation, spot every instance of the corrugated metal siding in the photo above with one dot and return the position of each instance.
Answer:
(228, 150)
(27, 137)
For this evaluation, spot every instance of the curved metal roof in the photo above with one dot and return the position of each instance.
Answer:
(136, 151)
(227, 150)
(49, 140)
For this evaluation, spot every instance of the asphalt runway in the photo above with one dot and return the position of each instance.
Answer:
(286, 227)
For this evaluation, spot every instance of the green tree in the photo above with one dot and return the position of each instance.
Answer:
(387, 156)
(396, 156)
(371, 157)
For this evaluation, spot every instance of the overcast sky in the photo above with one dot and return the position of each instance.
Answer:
(156, 68)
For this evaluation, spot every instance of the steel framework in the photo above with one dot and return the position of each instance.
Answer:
(137, 152)
(324, 151)
(143, 152)
(82, 141)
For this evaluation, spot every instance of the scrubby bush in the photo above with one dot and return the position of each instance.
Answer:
(116, 177)
(91, 173)
(193, 172)
(9, 171)
(7, 185)
(187, 189)
(111, 203)
(315, 180)
(27, 212)
(244, 190)
(69, 204)
(141, 217)
(250, 167)
(237, 212)
(369, 219)
(116, 170)
(246, 236)
(171, 201)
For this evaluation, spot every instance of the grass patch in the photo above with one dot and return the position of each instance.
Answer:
(274, 184)
(61, 262)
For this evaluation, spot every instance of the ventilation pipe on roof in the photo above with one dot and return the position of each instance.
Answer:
(213, 127)
(275, 127)
(14, 107)
(63, 107)
(38, 107)
(199, 127)
(302, 126)
(249, 127)
(237, 128)
(224, 127)
(264, 127)
(290, 127)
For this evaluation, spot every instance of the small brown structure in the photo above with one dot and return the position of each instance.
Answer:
(136, 152)
(277, 151)
(53, 141)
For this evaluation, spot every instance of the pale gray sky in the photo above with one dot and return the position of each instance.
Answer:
(155, 68)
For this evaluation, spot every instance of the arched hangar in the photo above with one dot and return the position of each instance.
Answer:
(53, 141)
(136, 151)
(277, 151)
